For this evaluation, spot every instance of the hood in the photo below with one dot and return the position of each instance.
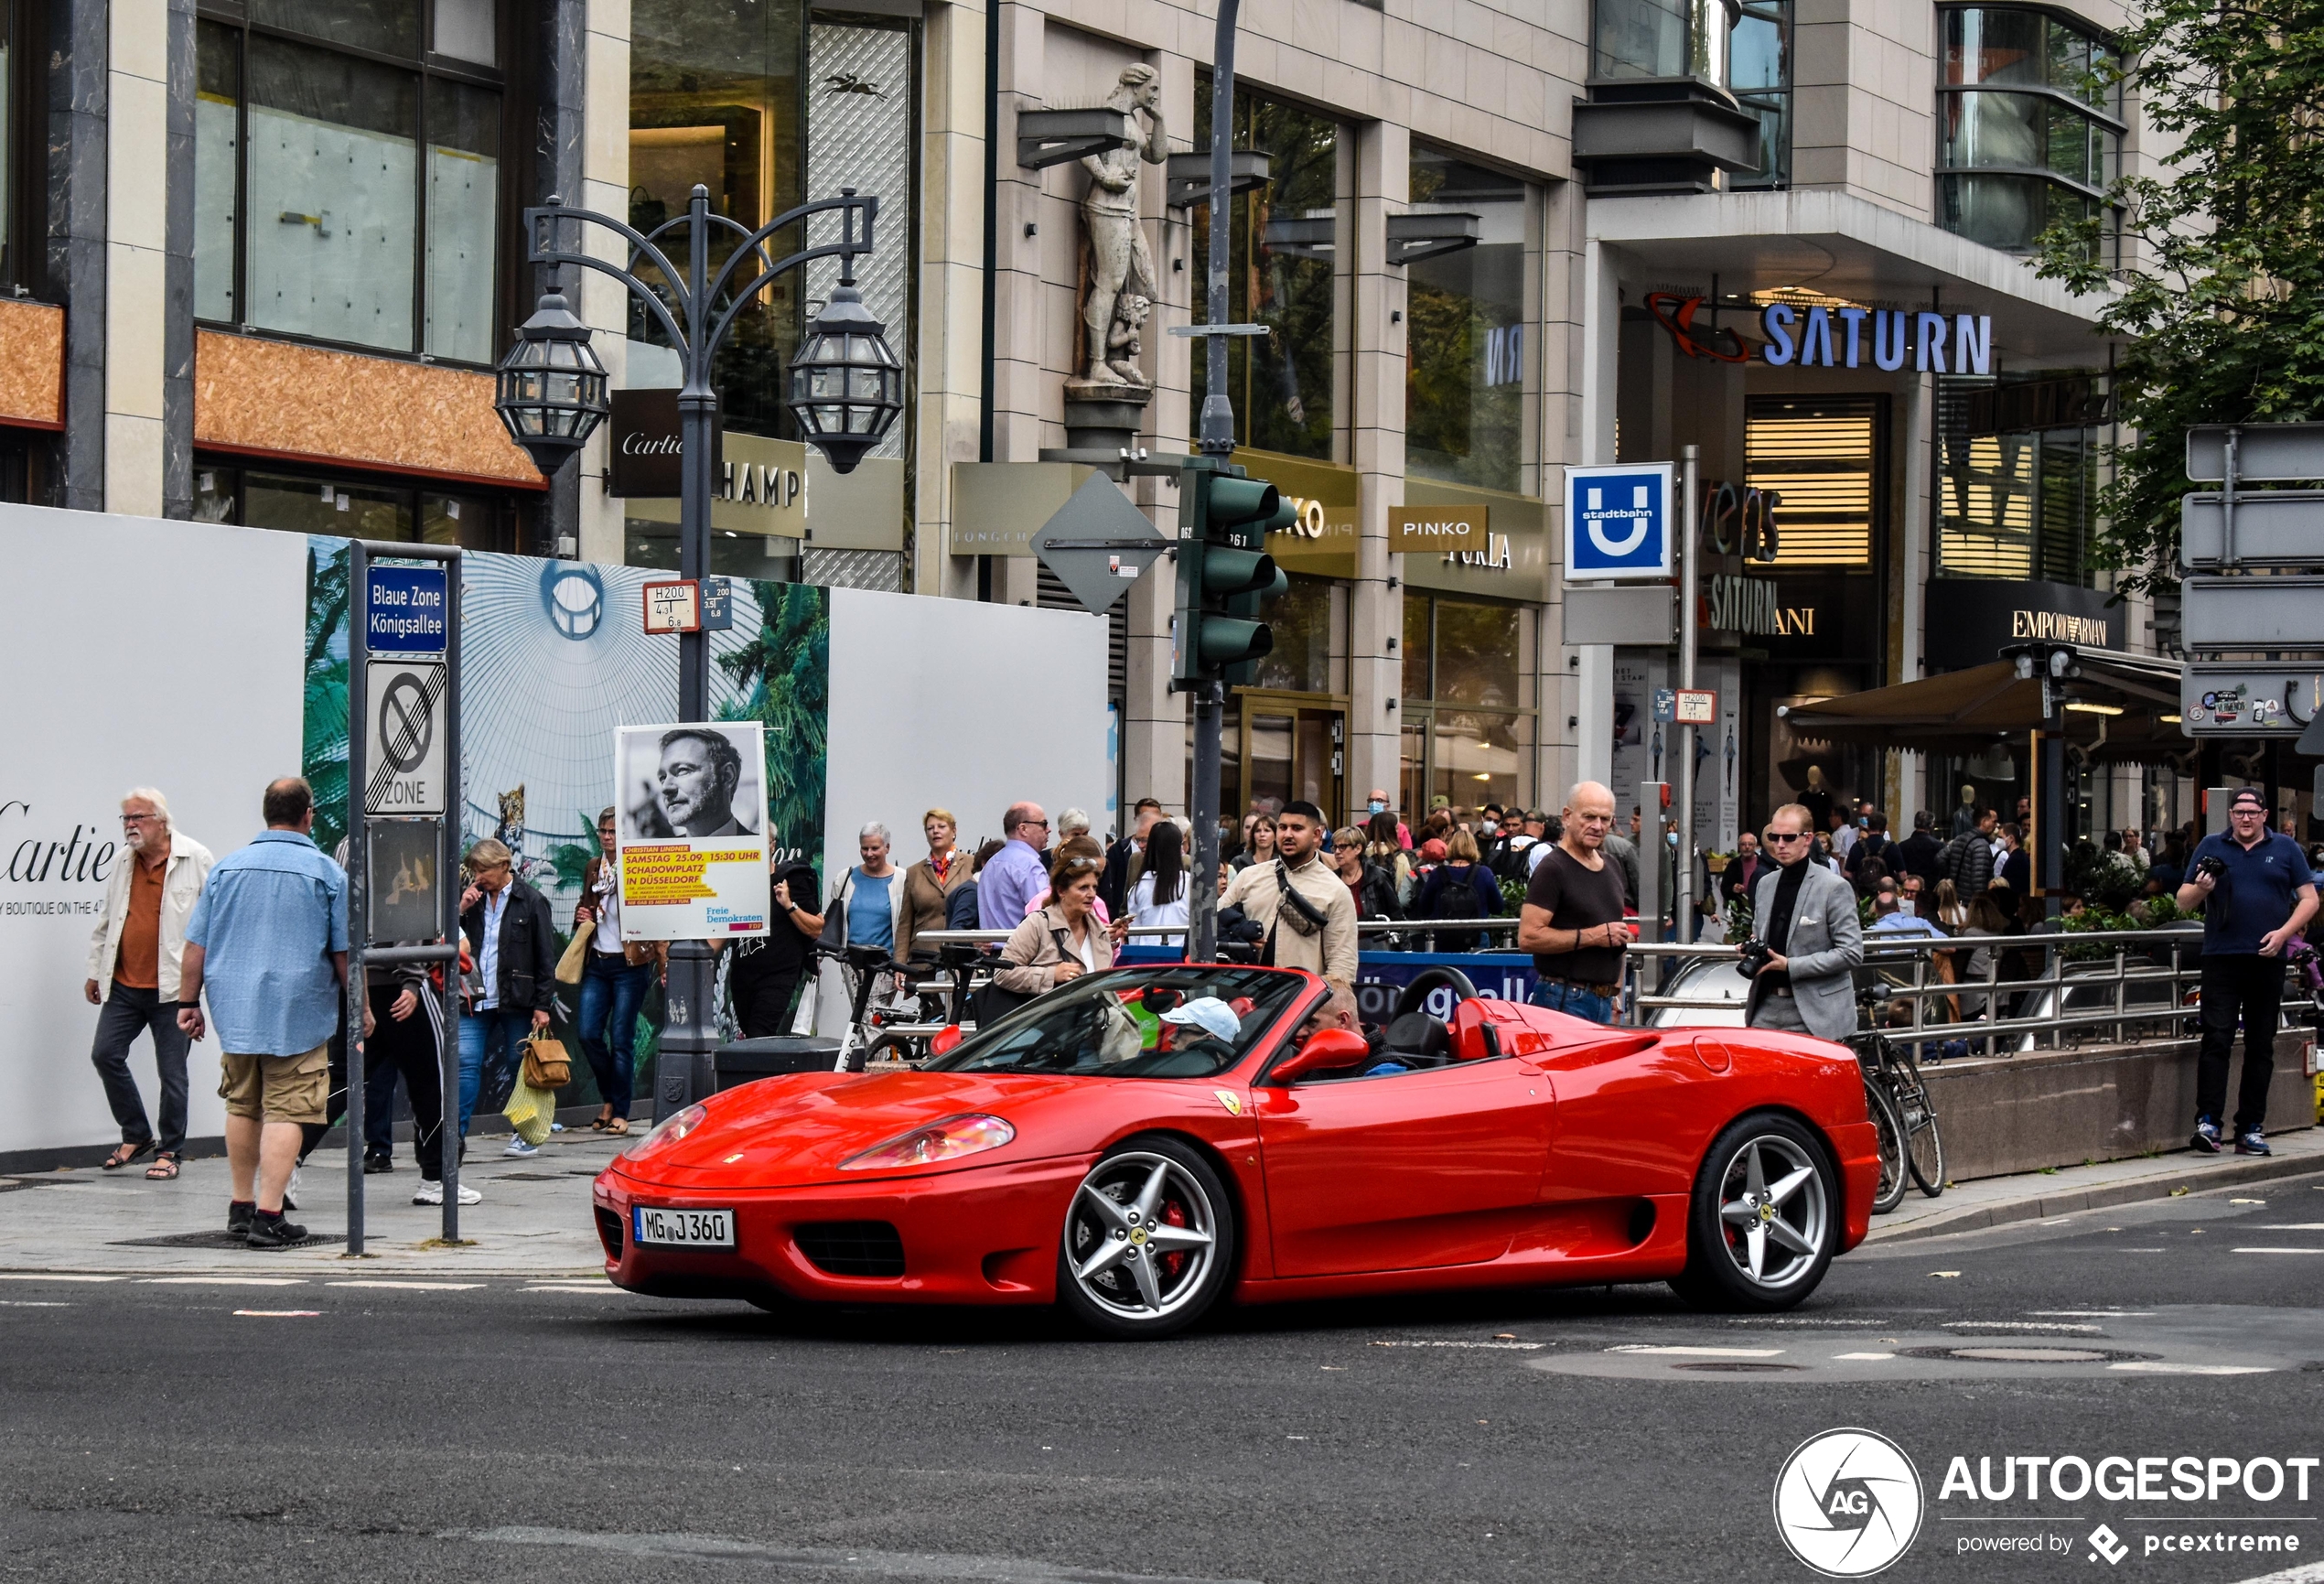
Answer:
(794, 1130)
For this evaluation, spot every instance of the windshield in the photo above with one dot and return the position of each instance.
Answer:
(1160, 1021)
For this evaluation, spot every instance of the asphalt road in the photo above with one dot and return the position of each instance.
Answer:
(515, 1431)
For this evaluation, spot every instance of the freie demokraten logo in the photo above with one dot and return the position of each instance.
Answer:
(1848, 1502)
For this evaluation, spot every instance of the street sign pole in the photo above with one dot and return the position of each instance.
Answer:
(358, 875)
(1683, 903)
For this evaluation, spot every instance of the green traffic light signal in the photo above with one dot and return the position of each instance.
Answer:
(1224, 574)
(1230, 503)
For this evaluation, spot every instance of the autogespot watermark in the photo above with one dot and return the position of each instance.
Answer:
(1849, 1502)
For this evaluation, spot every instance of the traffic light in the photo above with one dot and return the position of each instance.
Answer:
(1224, 574)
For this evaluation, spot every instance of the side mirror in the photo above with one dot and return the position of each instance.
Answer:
(945, 1039)
(1327, 1051)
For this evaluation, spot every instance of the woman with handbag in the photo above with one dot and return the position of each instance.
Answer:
(1062, 942)
(614, 979)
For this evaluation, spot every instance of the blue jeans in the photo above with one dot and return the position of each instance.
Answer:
(487, 1038)
(612, 994)
(1572, 999)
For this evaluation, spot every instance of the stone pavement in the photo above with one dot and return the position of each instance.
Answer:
(2038, 1195)
(533, 1220)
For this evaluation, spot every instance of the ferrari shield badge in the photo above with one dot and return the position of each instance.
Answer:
(1231, 1100)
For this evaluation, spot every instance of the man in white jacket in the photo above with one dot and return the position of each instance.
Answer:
(132, 973)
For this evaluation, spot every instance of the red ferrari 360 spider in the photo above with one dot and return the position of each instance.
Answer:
(1140, 1142)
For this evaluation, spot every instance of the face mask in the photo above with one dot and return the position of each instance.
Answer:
(1376, 806)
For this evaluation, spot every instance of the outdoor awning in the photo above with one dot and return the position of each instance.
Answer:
(2114, 709)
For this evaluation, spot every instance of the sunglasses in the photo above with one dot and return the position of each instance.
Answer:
(1785, 836)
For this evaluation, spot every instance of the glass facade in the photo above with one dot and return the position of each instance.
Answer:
(1301, 622)
(1466, 722)
(1820, 455)
(2021, 504)
(1280, 252)
(1742, 46)
(1758, 69)
(346, 197)
(2030, 124)
(1466, 362)
(352, 507)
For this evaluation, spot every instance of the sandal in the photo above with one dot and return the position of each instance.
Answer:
(600, 1124)
(619, 1126)
(126, 1155)
(164, 1169)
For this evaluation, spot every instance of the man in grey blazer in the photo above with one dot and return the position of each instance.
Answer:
(1807, 916)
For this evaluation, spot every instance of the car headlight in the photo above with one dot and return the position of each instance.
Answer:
(667, 1131)
(939, 1141)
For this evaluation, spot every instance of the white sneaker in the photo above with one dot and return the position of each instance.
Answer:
(521, 1149)
(431, 1193)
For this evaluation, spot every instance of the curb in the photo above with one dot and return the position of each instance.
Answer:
(2101, 1196)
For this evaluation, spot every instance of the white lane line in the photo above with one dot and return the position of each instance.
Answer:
(32, 1303)
(1690, 1352)
(823, 1560)
(222, 1281)
(2164, 1367)
(53, 1275)
(2277, 1251)
(2050, 1327)
(2095, 1313)
(1425, 1342)
(1863, 1356)
(281, 1313)
(605, 1288)
(413, 1285)
(2288, 1226)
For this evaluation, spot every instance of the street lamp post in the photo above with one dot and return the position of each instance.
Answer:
(846, 389)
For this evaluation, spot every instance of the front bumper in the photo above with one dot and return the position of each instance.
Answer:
(980, 1235)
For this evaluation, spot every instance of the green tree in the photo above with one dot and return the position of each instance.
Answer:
(784, 675)
(323, 714)
(2221, 297)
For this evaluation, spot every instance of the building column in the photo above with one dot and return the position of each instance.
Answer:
(136, 251)
(1600, 360)
(1376, 447)
(1907, 787)
(951, 273)
(1556, 668)
(1020, 394)
(177, 270)
(589, 46)
(78, 95)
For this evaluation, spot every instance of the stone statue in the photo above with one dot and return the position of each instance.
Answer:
(1121, 265)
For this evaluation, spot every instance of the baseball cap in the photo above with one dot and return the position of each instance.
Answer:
(2248, 795)
(1209, 1014)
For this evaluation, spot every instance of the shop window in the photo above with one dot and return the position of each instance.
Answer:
(1741, 46)
(714, 98)
(1282, 249)
(1476, 658)
(1472, 655)
(1819, 455)
(353, 508)
(1419, 615)
(1475, 757)
(2030, 124)
(1301, 622)
(761, 556)
(317, 213)
(1466, 364)
(1759, 76)
(2013, 503)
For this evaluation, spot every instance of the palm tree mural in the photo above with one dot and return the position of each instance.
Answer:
(323, 752)
(781, 674)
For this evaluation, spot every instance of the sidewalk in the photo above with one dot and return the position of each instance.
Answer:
(2038, 1195)
(534, 1219)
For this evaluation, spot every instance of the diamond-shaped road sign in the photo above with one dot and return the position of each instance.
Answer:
(1098, 544)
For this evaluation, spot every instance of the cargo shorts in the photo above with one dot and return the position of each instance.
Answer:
(278, 1088)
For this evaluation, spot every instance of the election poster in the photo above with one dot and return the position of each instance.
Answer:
(692, 840)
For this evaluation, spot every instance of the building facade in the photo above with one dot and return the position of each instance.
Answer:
(263, 253)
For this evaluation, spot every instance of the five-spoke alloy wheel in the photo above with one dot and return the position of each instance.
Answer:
(1148, 1242)
(1765, 1220)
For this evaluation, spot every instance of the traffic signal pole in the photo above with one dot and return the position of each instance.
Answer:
(1217, 444)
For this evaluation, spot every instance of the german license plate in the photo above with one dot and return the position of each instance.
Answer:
(685, 1228)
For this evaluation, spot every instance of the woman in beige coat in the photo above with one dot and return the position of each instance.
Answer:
(930, 883)
(1064, 940)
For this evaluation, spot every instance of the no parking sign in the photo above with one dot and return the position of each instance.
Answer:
(1618, 522)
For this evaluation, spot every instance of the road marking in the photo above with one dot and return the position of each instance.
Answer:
(280, 1313)
(221, 1281)
(606, 1287)
(2289, 1226)
(1426, 1343)
(1693, 1352)
(413, 1285)
(53, 1275)
(2047, 1326)
(32, 1303)
(2095, 1313)
(824, 1559)
(2164, 1367)
(1863, 1356)
(2279, 1251)
(2309, 1573)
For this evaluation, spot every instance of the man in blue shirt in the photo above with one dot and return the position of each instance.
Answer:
(2256, 897)
(268, 939)
(1016, 874)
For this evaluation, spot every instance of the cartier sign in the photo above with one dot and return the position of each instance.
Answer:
(646, 445)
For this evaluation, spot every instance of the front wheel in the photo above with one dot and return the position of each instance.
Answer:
(1765, 1220)
(1148, 1243)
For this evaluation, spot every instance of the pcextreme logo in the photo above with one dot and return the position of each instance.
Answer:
(1848, 1502)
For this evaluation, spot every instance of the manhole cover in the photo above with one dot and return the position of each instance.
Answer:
(217, 1240)
(1732, 1367)
(2028, 1355)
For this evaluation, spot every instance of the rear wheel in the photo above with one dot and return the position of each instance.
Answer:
(1896, 1166)
(1924, 1144)
(1148, 1243)
(1765, 1220)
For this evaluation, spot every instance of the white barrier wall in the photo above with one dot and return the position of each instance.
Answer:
(135, 653)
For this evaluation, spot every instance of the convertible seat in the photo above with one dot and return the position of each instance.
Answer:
(1417, 1039)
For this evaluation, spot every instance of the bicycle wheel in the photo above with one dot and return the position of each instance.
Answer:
(910, 1050)
(1895, 1167)
(1923, 1143)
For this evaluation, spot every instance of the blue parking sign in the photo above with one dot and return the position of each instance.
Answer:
(1618, 522)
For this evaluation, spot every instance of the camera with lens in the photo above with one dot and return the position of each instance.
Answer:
(1755, 954)
(2216, 868)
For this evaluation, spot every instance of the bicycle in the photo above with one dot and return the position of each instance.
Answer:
(1912, 1142)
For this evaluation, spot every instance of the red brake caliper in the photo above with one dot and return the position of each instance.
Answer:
(1174, 1263)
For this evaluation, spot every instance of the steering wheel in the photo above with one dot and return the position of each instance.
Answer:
(1415, 997)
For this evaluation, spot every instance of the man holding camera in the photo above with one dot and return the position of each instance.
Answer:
(1806, 937)
(2257, 895)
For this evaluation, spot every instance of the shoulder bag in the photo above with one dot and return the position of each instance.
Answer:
(546, 1066)
(995, 1002)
